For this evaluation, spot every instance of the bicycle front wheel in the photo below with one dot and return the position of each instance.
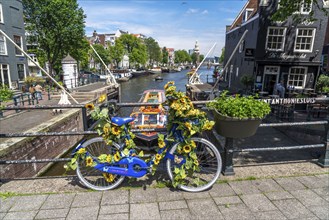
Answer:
(210, 164)
(91, 177)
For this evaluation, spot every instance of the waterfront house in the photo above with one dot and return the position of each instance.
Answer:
(325, 52)
(274, 51)
(13, 64)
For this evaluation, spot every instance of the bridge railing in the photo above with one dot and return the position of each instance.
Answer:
(227, 150)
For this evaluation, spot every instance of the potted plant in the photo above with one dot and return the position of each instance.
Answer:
(238, 116)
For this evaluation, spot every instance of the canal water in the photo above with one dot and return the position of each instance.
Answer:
(132, 90)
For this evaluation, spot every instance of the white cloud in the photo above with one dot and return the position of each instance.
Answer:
(192, 11)
(205, 12)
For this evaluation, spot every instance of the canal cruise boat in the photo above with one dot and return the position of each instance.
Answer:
(149, 117)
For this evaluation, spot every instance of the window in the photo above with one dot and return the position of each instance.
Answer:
(21, 71)
(275, 38)
(4, 75)
(3, 48)
(264, 3)
(1, 14)
(18, 41)
(304, 40)
(247, 14)
(306, 8)
(297, 76)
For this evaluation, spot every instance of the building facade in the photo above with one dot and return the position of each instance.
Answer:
(13, 64)
(274, 51)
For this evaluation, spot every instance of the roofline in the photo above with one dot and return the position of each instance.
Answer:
(241, 11)
(243, 24)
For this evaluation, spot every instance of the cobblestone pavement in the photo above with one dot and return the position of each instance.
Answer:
(299, 197)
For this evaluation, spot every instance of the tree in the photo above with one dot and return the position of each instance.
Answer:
(116, 52)
(181, 56)
(221, 58)
(165, 55)
(153, 50)
(132, 46)
(289, 8)
(58, 27)
(104, 55)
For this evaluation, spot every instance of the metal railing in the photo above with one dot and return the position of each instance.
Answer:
(227, 153)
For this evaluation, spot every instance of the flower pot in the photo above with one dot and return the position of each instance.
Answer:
(235, 127)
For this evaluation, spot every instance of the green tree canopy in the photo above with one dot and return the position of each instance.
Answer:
(58, 28)
(104, 55)
(181, 56)
(133, 46)
(293, 8)
(153, 50)
(116, 52)
(165, 55)
(221, 58)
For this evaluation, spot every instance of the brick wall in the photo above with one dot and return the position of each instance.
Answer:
(45, 147)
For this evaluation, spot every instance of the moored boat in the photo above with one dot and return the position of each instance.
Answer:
(149, 117)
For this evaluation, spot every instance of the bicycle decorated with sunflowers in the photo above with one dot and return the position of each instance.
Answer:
(193, 164)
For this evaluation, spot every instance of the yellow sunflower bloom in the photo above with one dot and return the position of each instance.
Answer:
(102, 98)
(109, 158)
(170, 83)
(193, 145)
(208, 125)
(90, 106)
(89, 161)
(161, 144)
(117, 156)
(116, 130)
(107, 128)
(156, 162)
(109, 177)
(158, 157)
(82, 151)
(188, 125)
(187, 148)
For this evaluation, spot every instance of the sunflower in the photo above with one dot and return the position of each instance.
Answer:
(170, 83)
(116, 130)
(156, 162)
(157, 157)
(89, 161)
(109, 177)
(102, 98)
(161, 144)
(107, 128)
(187, 148)
(90, 106)
(109, 158)
(188, 125)
(116, 156)
(208, 125)
(82, 151)
(193, 145)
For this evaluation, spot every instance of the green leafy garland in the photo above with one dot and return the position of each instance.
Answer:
(190, 121)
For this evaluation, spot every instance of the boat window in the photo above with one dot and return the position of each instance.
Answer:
(152, 101)
(150, 119)
(138, 119)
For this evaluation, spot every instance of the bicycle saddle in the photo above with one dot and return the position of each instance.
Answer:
(121, 121)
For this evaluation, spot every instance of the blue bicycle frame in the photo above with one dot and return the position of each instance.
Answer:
(133, 166)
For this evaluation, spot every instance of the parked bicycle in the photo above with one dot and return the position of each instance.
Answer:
(193, 164)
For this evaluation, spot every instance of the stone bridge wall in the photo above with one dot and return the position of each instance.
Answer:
(42, 147)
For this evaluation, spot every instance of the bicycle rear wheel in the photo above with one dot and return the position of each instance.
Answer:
(91, 177)
(210, 164)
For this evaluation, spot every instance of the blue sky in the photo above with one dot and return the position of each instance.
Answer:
(172, 23)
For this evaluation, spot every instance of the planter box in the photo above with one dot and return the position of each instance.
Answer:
(234, 127)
